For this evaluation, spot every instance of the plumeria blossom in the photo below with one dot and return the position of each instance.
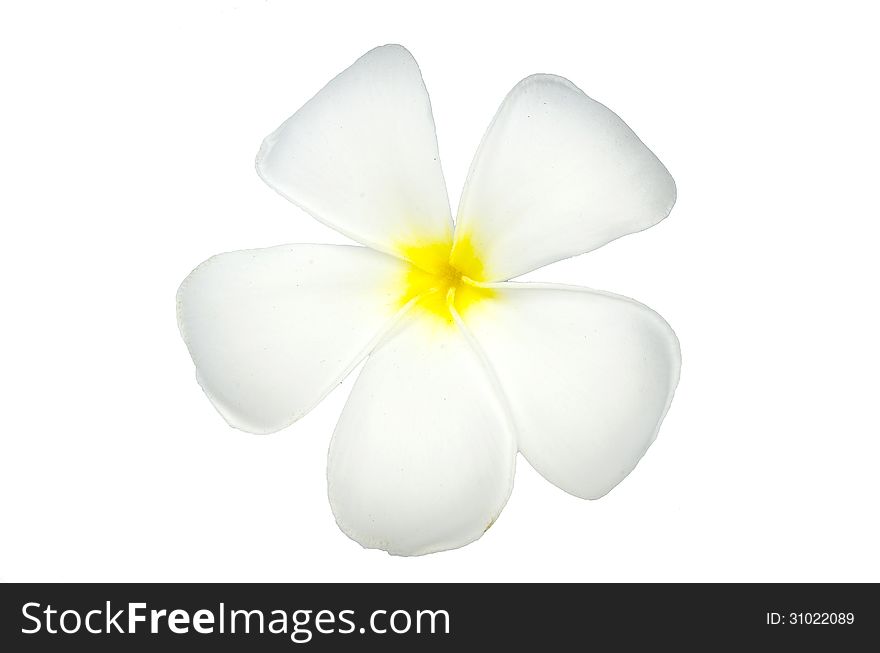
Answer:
(463, 368)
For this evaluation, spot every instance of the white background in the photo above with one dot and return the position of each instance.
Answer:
(128, 136)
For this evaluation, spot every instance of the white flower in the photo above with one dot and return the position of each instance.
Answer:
(464, 368)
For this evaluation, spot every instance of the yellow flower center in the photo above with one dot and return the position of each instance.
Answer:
(444, 277)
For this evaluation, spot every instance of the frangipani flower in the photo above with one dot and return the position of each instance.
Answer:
(464, 368)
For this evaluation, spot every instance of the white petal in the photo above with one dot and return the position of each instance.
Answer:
(272, 331)
(557, 174)
(589, 377)
(361, 156)
(423, 457)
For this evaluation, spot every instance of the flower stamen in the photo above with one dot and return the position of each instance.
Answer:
(443, 277)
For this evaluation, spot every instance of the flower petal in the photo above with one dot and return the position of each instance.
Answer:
(423, 457)
(361, 156)
(557, 174)
(589, 377)
(272, 331)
